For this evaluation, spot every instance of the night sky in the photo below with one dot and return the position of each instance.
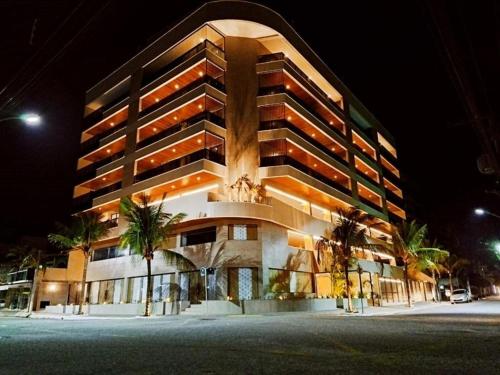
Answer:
(386, 52)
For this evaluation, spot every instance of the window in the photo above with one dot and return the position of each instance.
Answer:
(242, 232)
(136, 289)
(108, 253)
(163, 288)
(284, 281)
(105, 291)
(198, 236)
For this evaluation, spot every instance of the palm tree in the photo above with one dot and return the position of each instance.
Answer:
(85, 229)
(408, 245)
(148, 227)
(25, 256)
(350, 232)
(452, 265)
(431, 262)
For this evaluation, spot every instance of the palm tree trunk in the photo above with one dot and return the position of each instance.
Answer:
(451, 284)
(84, 279)
(436, 287)
(34, 286)
(149, 289)
(407, 284)
(347, 287)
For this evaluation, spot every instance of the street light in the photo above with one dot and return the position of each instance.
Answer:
(30, 119)
(482, 211)
(497, 247)
(479, 211)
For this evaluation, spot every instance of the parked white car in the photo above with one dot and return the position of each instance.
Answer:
(460, 295)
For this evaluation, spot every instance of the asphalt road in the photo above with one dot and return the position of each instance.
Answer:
(444, 340)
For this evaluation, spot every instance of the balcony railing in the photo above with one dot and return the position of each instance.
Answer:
(360, 149)
(370, 203)
(90, 171)
(20, 276)
(280, 56)
(270, 161)
(205, 79)
(392, 197)
(180, 162)
(279, 124)
(217, 120)
(93, 143)
(98, 114)
(389, 174)
(281, 89)
(111, 223)
(85, 201)
(368, 178)
(390, 157)
(394, 218)
(206, 44)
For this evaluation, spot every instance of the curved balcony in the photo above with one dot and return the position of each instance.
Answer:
(99, 114)
(90, 171)
(280, 56)
(398, 201)
(206, 44)
(280, 124)
(217, 120)
(94, 142)
(180, 162)
(205, 79)
(370, 203)
(281, 89)
(271, 161)
(84, 201)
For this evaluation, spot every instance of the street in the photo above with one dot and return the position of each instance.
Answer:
(437, 340)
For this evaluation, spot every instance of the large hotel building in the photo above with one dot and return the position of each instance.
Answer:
(248, 132)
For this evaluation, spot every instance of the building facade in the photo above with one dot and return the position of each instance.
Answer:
(247, 131)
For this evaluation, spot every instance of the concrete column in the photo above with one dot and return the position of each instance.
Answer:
(131, 131)
(124, 293)
(242, 118)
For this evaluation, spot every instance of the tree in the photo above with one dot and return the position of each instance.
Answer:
(452, 265)
(350, 232)
(148, 227)
(408, 245)
(25, 256)
(85, 229)
(431, 262)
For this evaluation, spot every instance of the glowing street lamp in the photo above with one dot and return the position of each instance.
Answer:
(497, 247)
(30, 119)
(482, 211)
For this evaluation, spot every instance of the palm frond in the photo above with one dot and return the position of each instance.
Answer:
(148, 225)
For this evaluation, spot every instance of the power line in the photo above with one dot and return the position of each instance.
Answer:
(37, 53)
(35, 77)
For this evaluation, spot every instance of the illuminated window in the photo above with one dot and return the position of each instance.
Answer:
(242, 232)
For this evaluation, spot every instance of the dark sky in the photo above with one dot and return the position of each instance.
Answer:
(385, 51)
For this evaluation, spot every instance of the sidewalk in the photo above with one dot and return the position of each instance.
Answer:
(396, 309)
(368, 311)
(4, 313)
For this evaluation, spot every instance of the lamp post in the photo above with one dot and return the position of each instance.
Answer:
(30, 119)
(482, 212)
